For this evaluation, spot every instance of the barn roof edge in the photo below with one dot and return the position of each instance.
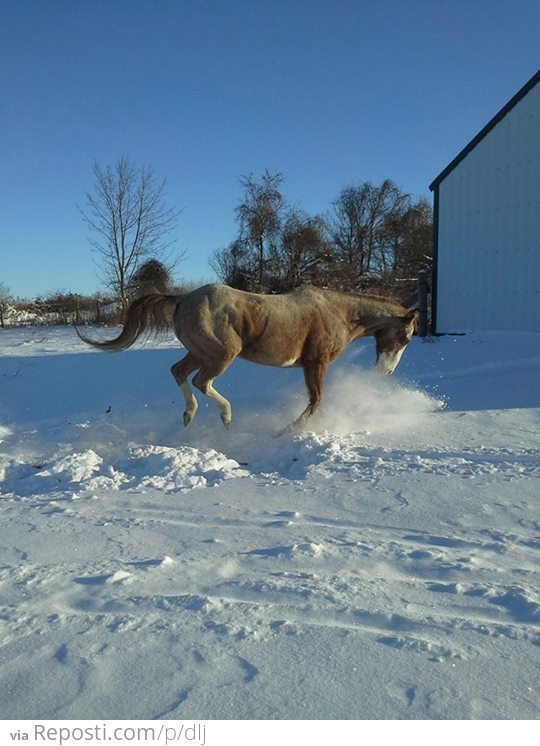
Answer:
(529, 85)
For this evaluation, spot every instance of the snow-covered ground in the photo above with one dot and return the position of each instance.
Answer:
(382, 564)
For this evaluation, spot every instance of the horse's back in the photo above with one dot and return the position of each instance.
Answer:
(268, 329)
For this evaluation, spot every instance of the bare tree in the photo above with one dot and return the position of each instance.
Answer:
(365, 228)
(412, 240)
(259, 216)
(5, 295)
(130, 222)
(234, 265)
(303, 252)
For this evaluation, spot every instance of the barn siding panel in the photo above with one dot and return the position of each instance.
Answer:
(489, 229)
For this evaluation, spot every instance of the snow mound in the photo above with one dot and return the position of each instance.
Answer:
(173, 469)
(149, 467)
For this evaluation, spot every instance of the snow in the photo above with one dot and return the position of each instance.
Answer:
(381, 564)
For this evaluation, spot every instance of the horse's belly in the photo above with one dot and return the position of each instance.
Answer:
(275, 359)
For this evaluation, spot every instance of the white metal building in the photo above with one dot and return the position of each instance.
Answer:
(487, 225)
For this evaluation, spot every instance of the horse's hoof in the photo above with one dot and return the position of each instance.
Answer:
(226, 421)
(187, 418)
(289, 430)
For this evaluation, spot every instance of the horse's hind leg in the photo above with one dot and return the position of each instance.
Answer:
(181, 371)
(204, 380)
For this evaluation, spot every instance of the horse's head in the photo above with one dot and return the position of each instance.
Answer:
(392, 340)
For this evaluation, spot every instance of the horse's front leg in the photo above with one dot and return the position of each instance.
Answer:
(314, 374)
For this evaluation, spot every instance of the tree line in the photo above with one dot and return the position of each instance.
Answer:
(373, 238)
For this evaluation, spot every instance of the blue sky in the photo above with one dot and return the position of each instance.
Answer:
(328, 93)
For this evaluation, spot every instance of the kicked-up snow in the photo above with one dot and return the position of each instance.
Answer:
(381, 563)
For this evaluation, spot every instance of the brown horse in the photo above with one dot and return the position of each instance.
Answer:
(308, 327)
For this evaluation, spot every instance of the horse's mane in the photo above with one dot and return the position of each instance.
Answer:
(379, 301)
(375, 304)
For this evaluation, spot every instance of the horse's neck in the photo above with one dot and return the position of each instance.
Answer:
(374, 313)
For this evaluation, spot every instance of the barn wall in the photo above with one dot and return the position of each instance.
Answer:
(488, 274)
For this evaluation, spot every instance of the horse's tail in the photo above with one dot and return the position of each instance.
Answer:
(151, 313)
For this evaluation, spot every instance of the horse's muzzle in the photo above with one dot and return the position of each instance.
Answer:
(387, 362)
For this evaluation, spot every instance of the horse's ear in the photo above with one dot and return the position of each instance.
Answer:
(411, 315)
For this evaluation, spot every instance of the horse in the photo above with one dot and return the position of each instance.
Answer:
(308, 327)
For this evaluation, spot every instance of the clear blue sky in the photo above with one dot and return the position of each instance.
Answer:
(329, 93)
